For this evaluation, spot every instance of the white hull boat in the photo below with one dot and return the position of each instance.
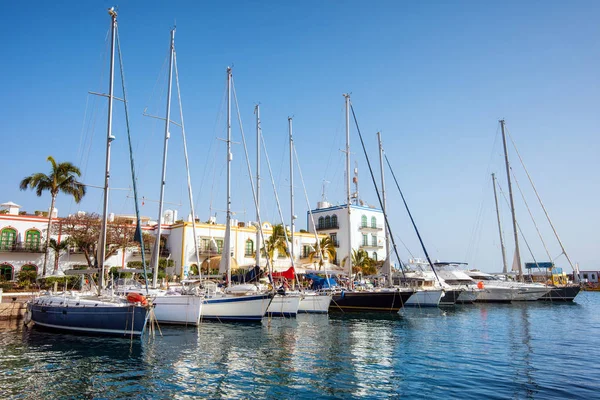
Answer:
(468, 295)
(284, 305)
(182, 309)
(425, 298)
(530, 292)
(314, 303)
(234, 307)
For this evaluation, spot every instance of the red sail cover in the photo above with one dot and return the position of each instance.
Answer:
(289, 274)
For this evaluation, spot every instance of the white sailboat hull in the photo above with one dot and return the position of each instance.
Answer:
(425, 298)
(468, 296)
(314, 303)
(531, 293)
(180, 310)
(497, 294)
(284, 305)
(230, 307)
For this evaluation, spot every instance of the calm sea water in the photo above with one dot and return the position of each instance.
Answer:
(533, 350)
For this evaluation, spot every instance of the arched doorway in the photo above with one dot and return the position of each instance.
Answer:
(30, 267)
(6, 272)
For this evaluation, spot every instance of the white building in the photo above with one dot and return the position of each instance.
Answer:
(23, 236)
(22, 241)
(180, 244)
(366, 228)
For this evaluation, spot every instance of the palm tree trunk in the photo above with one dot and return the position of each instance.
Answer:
(48, 234)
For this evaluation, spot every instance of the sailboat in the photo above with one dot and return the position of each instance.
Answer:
(373, 300)
(171, 307)
(98, 314)
(311, 302)
(526, 291)
(429, 288)
(285, 303)
(553, 292)
(238, 302)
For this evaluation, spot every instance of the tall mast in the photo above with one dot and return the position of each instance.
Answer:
(292, 216)
(257, 112)
(387, 266)
(109, 139)
(512, 203)
(228, 219)
(163, 178)
(504, 267)
(349, 256)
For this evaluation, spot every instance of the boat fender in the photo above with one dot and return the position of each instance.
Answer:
(27, 317)
(137, 298)
(480, 285)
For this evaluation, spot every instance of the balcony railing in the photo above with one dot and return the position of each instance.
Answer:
(22, 248)
(371, 227)
(321, 227)
(371, 246)
(138, 252)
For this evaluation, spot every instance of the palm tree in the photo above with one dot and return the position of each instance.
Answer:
(361, 262)
(276, 242)
(327, 247)
(62, 178)
(58, 248)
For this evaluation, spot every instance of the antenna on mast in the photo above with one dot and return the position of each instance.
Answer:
(323, 186)
(355, 181)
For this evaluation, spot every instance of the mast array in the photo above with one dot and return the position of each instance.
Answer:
(504, 266)
(387, 265)
(349, 226)
(109, 138)
(156, 255)
(292, 216)
(258, 229)
(512, 204)
(229, 156)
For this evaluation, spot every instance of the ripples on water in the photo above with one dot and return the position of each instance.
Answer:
(533, 350)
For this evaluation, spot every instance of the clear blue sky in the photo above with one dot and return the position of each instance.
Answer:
(433, 77)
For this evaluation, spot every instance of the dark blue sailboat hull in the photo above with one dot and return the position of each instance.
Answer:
(369, 301)
(113, 321)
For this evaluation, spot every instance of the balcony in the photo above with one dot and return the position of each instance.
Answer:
(138, 252)
(22, 248)
(371, 246)
(322, 227)
(370, 228)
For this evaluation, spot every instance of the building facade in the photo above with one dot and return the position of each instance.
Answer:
(23, 238)
(366, 228)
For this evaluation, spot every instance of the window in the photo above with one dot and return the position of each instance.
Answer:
(30, 267)
(334, 223)
(321, 222)
(365, 240)
(374, 256)
(374, 240)
(8, 239)
(249, 248)
(32, 239)
(6, 272)
(306, 251)
(373, 222)
(363, 221)
(219, 245)
(327, 222)
(333, 237)
(204, 244)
